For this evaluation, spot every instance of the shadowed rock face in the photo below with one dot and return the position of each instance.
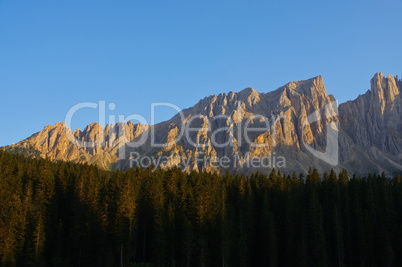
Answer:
(279, 128)
(372, 127)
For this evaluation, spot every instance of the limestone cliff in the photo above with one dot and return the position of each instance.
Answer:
(92, 145)
(289, 128)
(372, 128)
(217, 129)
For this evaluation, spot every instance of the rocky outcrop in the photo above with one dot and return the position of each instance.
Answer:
(372, 127)
(294, 127)
(93, 145)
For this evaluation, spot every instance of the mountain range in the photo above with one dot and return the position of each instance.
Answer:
(294, 127)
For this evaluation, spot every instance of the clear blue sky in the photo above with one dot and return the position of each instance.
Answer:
(55, 54)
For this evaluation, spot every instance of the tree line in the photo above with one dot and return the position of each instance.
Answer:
(65, 214)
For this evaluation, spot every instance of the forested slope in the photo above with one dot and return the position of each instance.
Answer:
(65, 214)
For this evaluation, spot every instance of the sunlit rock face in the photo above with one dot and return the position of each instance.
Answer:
(92, 145)
(228, 132)
(372, 124)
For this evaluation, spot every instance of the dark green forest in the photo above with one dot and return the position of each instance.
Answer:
(65, 214)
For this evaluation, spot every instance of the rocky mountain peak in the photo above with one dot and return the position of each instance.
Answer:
(373, 121)
(313, 89)
(312, 86)
(60, 125)
(247, 91)
(370, 131)
(249, 95)
(384, 90)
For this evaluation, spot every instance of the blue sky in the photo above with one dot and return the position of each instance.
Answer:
(55, 54)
